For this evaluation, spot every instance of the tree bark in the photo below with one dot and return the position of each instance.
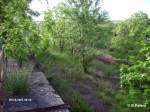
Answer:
(20, 62)
(84, 65)
(61, 44)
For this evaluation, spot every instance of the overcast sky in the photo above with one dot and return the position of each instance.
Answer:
(117, 9)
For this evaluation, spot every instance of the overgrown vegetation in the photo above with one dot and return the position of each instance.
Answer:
(76, 101)
(67, 43)
(130, 44)
(17, 83)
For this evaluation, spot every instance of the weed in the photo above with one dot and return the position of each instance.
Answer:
(106, 68)
(77, 103)
(17, 83)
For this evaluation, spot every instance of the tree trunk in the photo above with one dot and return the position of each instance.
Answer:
(61, 44)
(72, 51)
(20, 62)
(54, 44)
(84, 65)
(1, 66)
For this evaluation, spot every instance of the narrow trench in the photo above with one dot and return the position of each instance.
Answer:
(87, 93)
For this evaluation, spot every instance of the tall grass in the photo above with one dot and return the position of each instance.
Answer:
(17, 83)
(106, 68)
(79, 104)
(73, 97)
(64, 70)
(63, 65)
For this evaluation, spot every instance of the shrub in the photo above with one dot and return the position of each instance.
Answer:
(17, 83)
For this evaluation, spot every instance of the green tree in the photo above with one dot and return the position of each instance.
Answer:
(86, 17)
(129, 35)
(130, 43)
(15, 27)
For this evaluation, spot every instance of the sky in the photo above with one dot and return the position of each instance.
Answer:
(117, 9)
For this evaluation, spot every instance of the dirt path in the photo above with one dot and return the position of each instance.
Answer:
(87, 89)
(113, 79)
(88, 95)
